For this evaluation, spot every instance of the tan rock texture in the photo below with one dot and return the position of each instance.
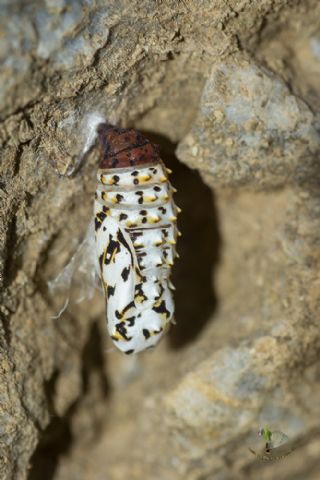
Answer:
(230, 90)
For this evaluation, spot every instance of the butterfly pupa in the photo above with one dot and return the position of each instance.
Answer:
(136, 234)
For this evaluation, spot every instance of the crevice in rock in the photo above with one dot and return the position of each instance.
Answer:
(13, 259)
(93, 360)
(57, 439)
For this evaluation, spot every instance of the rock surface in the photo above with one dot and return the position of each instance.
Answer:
(234, 86)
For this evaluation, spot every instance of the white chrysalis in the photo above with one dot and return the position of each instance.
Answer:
(136, 233)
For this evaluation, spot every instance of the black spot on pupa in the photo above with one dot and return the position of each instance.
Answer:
(135, 173)
(101, 216)
(114, 163)
(162, 309)
(136, 181)
(137, 233)
(130, 305)
(125, 273)
(121, 328)
(112, 249)
(143, 212)
(128, 352)
(110, 291)
(134, 235)
(120, 315)
(115, 179)
(101, 260)
(125, 244)
(123, 216)
(144, 220)
(156, 188)
(97, 224)
(119, 197)
(104, 229)
(105, 209)
(140, 192)
(146, 333)
(140, 201)
(131, 321)
(139, 292)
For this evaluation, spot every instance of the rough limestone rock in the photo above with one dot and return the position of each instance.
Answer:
(252, 131)
(230, 90)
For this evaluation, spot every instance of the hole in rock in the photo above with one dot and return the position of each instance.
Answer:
(199, 248)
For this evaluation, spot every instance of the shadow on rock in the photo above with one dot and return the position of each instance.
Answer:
(57, 439)
(199, 248)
